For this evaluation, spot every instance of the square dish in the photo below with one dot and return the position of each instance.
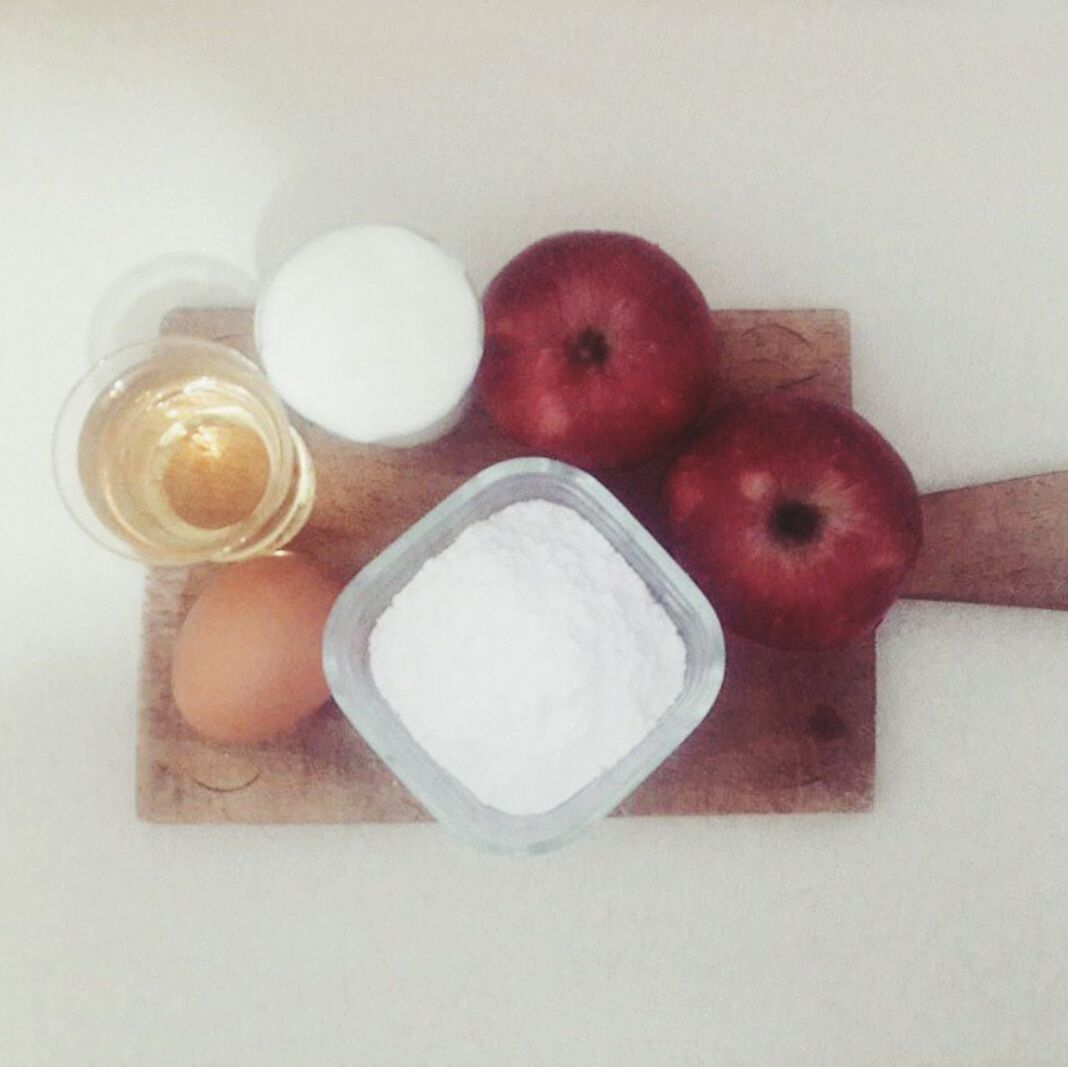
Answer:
(347, 665)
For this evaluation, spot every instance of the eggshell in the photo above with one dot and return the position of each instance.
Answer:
(248, 663)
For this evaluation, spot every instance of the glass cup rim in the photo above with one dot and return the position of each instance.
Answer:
(83, 394)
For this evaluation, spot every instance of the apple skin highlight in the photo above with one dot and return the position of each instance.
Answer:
(798, 520)
(599, 349)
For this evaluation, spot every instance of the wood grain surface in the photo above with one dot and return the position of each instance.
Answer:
(790, 732)
(1000, 543)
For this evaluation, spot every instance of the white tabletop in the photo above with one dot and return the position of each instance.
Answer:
(907, 162)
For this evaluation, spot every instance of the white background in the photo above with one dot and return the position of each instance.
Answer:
(905, 161)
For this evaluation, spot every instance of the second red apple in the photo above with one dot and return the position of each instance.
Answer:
(599, 349)
(797, 519)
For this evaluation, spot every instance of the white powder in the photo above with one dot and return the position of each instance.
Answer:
(527, 657)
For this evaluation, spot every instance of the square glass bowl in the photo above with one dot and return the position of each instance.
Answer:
(346, 658)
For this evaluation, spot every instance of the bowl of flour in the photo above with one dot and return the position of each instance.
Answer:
(524, 656)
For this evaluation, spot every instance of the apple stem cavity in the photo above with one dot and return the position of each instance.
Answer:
(795, 523)
(590, 348)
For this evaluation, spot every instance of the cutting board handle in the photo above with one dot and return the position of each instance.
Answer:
(1000, 543)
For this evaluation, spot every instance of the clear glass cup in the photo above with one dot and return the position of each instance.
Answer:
(346, 654)
(178, 451)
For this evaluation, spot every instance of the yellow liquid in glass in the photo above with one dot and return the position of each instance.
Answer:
(186, 460)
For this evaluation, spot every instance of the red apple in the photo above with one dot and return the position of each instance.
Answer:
(598, 351)
(797, 519)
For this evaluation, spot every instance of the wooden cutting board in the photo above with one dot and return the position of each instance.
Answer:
(791, 731)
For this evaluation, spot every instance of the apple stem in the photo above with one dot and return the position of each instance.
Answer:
(793, 522)
(590, 348)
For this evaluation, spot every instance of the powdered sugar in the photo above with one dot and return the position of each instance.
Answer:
(527, 657)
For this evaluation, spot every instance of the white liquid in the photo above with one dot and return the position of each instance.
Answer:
(374, 333)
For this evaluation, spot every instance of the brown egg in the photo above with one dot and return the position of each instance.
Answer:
(248, 660)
